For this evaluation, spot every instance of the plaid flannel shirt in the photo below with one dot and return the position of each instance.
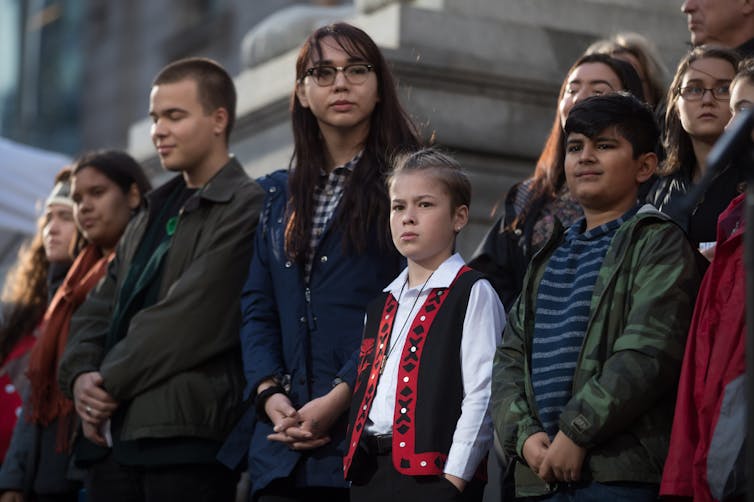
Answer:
(327, 195)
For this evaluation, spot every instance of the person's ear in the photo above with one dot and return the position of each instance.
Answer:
(220, 121)
(301, 95)
(460, 217)
(647, 166)
(747, 7)
(133, 197)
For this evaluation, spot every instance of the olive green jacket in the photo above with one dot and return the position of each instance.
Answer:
(624, 384)
(178, 369)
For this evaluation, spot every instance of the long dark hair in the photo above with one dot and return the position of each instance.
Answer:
(549, 173)
(678, 147)
(364, 205)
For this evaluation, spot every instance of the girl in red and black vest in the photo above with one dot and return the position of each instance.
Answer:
(420, 426)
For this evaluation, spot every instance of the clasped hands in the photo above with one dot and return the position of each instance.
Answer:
(560, 460)
(308, 427)
(93, 404)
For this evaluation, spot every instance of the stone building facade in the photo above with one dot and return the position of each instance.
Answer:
(481, 76)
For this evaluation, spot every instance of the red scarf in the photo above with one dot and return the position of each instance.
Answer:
(47, 402)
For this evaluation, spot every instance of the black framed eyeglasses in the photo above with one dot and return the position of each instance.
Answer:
(324, 75)
(696, 92)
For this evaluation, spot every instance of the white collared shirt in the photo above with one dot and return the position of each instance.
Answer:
(482, 331)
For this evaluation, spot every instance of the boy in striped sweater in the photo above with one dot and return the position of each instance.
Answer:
(583, 383)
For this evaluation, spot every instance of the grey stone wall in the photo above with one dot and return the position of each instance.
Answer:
(126, 44)
(481, 75)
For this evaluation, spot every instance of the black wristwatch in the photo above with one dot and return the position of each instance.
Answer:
(262, 398)
(337, 381)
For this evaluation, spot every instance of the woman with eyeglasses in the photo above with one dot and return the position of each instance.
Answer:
(322, 252)
(705, 460)
(698, 110)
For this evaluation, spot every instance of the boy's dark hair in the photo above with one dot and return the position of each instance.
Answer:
(215, 87)
(632, 119)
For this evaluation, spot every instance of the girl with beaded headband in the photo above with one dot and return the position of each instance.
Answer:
(106, 189)
(33, 280)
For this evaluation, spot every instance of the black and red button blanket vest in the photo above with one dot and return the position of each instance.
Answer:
(429, 391)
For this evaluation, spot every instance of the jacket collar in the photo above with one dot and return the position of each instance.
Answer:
(219, 189)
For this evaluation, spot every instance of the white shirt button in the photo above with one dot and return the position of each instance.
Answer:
(323, 259)
(423, 463)
(402, 444)
(10, 389)
(413, 349)
(405, 379)
(403, 410)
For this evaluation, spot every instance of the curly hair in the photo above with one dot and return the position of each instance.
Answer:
(25, 291)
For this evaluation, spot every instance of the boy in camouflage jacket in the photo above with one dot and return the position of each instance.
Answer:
(610, 434)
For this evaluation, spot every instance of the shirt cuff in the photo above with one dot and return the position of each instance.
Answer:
(464, 459)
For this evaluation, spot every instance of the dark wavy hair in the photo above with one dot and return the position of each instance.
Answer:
(678, 147)
(549, 173)
(633, 119)
(364, 205)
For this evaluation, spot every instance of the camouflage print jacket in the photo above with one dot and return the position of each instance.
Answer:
(627, 373)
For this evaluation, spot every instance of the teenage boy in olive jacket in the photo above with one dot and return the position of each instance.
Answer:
(613, 398)
(154, 354)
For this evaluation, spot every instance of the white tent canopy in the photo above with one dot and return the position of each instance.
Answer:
(27, 178)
